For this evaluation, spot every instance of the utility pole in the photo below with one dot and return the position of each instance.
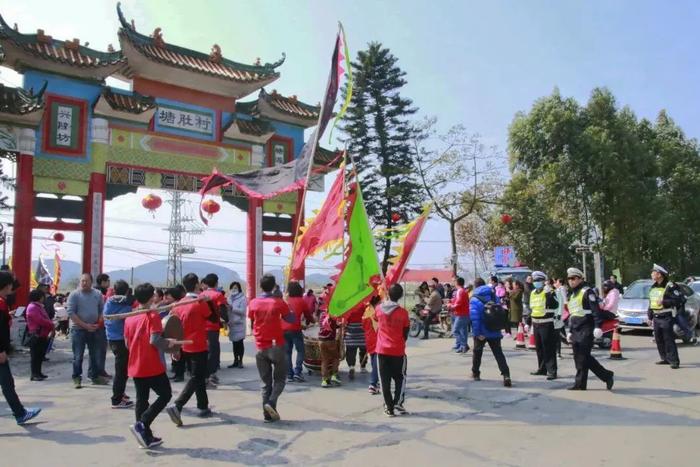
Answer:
(181, 226)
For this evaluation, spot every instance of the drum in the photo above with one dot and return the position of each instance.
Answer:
(312, 349)
(172, 329)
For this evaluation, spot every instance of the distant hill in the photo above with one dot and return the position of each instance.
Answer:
(155, 272)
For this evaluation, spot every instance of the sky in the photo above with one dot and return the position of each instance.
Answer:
(467, 62)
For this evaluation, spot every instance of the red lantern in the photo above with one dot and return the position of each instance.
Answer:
(58, 237)
(277, 249)
(395, 217)
(506, 218)
(211, 207)
(151, 202)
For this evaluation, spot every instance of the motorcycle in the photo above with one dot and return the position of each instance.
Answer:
(608, 328)
(439, 324)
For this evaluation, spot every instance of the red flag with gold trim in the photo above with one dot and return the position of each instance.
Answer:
(407, 240)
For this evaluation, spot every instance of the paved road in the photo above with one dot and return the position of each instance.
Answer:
(652, 417)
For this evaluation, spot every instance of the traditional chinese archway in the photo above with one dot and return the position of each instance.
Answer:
(74, 136)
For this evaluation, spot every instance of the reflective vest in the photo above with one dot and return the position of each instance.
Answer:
(538, 304)
(656, 296)
(575, 304)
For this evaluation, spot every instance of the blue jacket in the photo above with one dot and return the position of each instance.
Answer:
(476, 312)
(116, 304)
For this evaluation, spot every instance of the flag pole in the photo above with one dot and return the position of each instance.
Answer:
(314, 145)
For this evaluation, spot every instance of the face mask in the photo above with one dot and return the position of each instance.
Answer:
(539, 285)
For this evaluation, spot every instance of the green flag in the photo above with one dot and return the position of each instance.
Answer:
(360, 273)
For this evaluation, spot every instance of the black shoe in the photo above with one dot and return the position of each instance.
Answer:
(233, 365)
(46, 359)
(423, 338)
(674, 366)
(551, 377)
(204, 413)
(507, 382)
(576, 388)
(178, 379)
(538, 373)
(476, 377)
(37, 378)
(609, 383)
(662, 362)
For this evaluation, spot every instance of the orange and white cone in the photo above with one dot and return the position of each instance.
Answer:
(520, 337)
(531, 341)
(616, 348)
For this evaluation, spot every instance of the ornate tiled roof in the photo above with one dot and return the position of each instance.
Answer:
(251, 130)
(17, 101)
(277, 106)
(131, 103)
(68, 57)
(327, 158)
(214, 64)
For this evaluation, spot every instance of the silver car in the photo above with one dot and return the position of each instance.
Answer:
(634, 303)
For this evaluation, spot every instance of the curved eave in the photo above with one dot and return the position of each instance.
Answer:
(21, 57)
(143, 66)
(271, 112)
(234, 132)
(29, 119)
(103, 109)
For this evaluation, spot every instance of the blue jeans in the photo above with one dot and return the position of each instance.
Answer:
(374, 376)
(460, 330)
(79, 339)
(294, 339)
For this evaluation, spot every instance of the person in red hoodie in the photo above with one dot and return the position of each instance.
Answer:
(460, 308)
(143, 337)
(392, 333)
(266, 314)
(370, 325)
(194, 318)
(219, 307)
(293, 336)
(41, 328)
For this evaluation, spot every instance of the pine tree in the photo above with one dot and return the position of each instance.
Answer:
(379, 136)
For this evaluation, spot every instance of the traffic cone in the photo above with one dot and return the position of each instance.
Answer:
(616, 348)
(531, 341)
(520, 337)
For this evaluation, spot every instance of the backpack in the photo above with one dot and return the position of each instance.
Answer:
(495, 316)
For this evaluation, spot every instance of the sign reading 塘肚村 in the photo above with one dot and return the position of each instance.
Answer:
(188, 120)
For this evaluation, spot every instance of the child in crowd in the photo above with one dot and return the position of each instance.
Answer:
(392, 333)
(143, 337)
(330, 352)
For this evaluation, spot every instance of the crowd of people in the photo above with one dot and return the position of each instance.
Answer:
(373, 334)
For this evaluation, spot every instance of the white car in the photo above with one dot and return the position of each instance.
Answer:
(634, 303)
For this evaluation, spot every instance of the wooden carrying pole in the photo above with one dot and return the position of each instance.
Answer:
(158, 310)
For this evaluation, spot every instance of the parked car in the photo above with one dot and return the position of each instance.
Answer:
(632, 310)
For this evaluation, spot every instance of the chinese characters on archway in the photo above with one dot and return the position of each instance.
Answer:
(64, 126)
(185, 120)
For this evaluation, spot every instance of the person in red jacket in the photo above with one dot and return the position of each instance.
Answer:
(460, 308)
(219, 307)
(194, 318)
(41, 328)
(143, 337)
(392, 333)
(266, 314)
(370, 325)
(293, 336)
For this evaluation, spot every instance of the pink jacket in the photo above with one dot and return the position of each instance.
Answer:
(38, 321)
(611, 300)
